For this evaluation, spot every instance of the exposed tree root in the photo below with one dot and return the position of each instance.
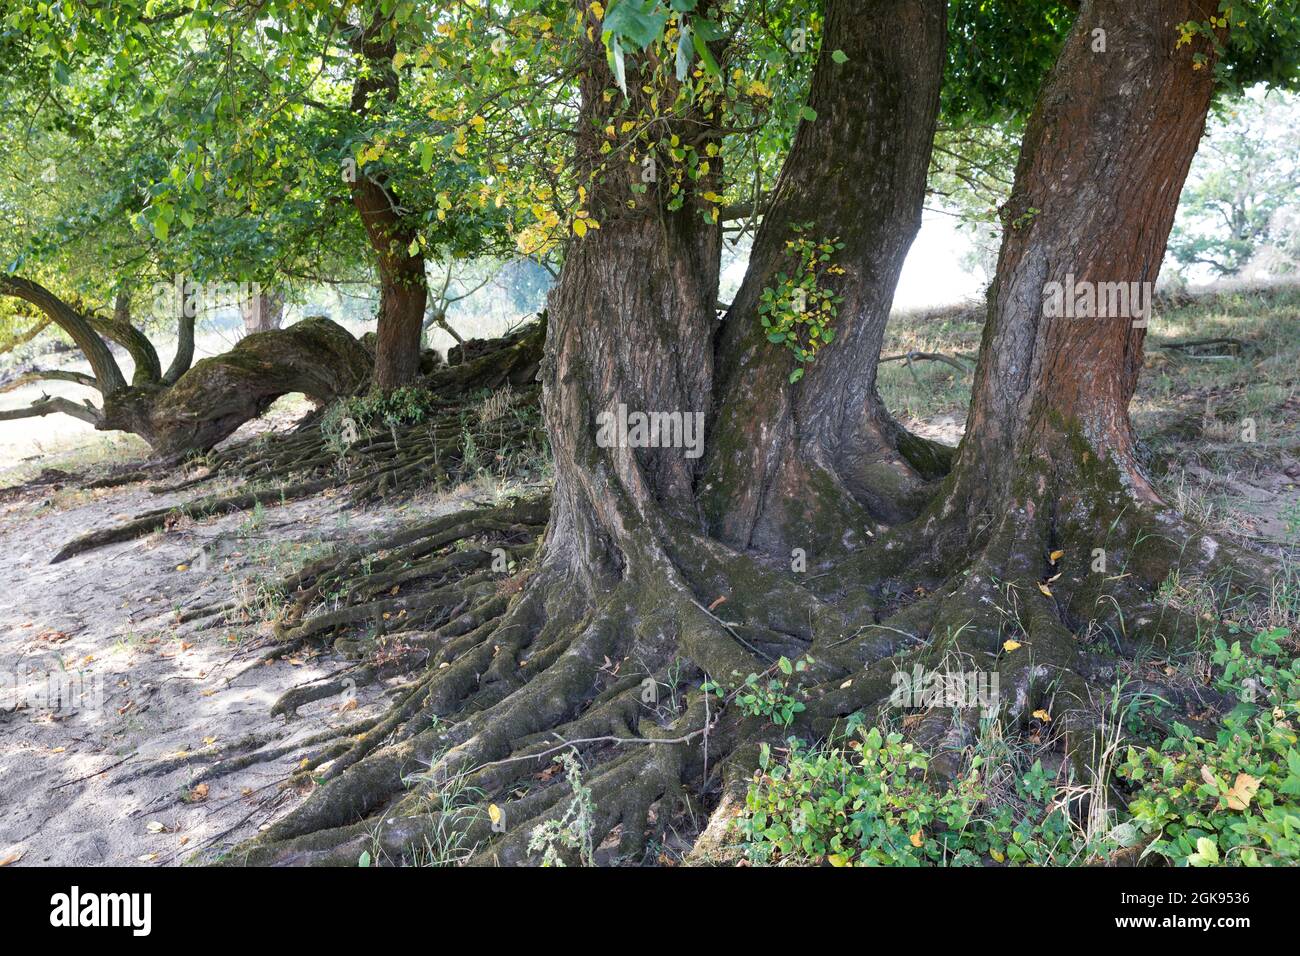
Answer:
(468, 428)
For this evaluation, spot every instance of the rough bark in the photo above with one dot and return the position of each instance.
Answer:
(1103, 162)
(190, 409)
(1047, 533)
(317, 357)
(815, 463)
(403, 288)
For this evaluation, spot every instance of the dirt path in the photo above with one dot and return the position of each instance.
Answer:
(72, 789)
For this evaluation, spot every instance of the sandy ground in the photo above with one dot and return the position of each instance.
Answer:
(73, 782)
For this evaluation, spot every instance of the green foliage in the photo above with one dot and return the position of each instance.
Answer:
(772, 698)
(800, 309)
(1233, 799)
(572, 831)
(348, 418)
(1243, 188)
(867, 801)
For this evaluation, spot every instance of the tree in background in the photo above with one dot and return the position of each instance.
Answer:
(1239, 209)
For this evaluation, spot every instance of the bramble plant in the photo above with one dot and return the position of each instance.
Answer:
(799, 311)
(400, 406)
(772, 699)
(866, 801)
(1231, 800)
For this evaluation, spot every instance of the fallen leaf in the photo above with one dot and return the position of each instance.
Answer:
(199, 793)
(11, 857)
(998, 857)
(917, 838)
(494, 813)
(1042, 715)
(1243, 788)
(1010, 645)
(836, 860)
(147, 858)
(716, 602)
(153, 826)
(1057, 556)
(182, 567)
(1044, 588)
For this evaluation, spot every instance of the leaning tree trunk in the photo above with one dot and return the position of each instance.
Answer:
(403, 288)
(317, 357)
(190, 409)
(1047, 533)
(814, 464)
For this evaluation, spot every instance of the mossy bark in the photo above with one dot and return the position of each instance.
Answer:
(816, 464)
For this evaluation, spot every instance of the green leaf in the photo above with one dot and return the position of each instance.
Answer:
(839, 56)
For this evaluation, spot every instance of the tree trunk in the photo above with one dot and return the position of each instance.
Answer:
(317, 357)
(403, 288)
(1104, 159)
(1047, 533)
(262, 312)
(192, 409)
(812, 464)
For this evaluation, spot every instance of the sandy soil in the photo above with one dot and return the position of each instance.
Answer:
(74, 787)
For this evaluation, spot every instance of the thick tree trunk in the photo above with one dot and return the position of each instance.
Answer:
(1046, 533)
(192, 409)
(1104, 159)
(403, 288)
(812, 464)
(317, 357)
(262, 312)
(630, 323)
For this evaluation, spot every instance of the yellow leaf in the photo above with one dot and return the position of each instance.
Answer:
(494, 813)
(182, 567)
(579, 228)
(917, 838)
(836, 860)
(1010, 645)
(1243, 788)
(1057, 556)
(1042, 715)
(998, 857)
(1044, 588)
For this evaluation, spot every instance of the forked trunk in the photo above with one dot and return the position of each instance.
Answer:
(813, 463)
